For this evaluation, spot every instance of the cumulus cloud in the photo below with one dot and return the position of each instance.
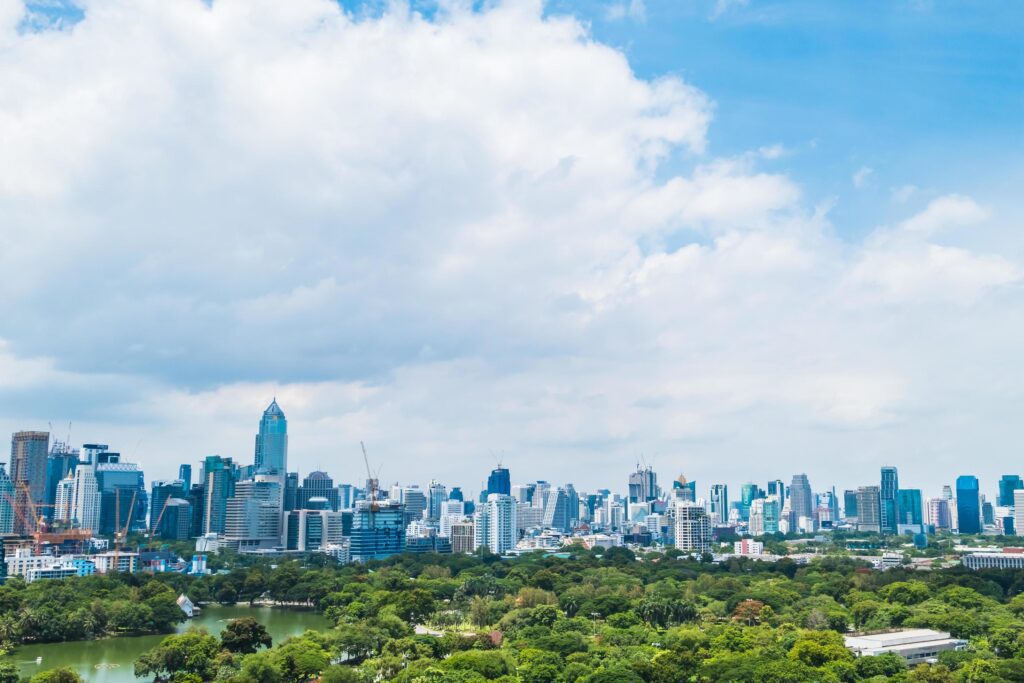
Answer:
(446, 236)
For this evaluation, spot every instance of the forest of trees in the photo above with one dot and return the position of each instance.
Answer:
(591, 618)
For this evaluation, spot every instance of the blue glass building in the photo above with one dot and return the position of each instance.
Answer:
(887, 497)
(1007, 485)
(499, 481)
(272, 441)
(968, 505)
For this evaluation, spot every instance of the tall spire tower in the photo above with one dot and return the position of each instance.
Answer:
(272, 441)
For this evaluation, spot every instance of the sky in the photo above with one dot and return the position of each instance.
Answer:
(733, 239)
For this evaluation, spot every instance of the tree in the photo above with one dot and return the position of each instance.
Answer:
(61, 675)
(192, 652)
(9, 673)
(245, 636)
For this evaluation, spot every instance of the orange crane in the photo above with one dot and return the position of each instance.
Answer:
(35, 526)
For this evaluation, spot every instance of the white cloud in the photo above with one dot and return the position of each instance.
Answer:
(449, 237)
(861, 176)
(634, 10)
(723, 6)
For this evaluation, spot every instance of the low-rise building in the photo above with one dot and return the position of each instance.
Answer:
(915, 645)
(1006, 558)
(748, 546)
(127, 563)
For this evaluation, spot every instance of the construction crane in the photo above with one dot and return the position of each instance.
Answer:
(35, 526)
(121, 534)
(156, 525)
(371, 482)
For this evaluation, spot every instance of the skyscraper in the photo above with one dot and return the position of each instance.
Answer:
(86, 497)
(185, 474)
(1007, 485)
(318, 485)
(801, 500)
(437, 494)
(161, 492)
(939, 515)
(887, 494)
(850, 505)
(643, 485)
(62, 462)
(123, 494)
(378, 530)
(869, 509)
(6, 497)
(778, 489)
(718, 499)
(29, 453)
(494, 524)
(499, 481)
(556, 510)
(252, 516)
(692, 528)
(910, 511)
(218, 486)
(968, 505)
(272, 441)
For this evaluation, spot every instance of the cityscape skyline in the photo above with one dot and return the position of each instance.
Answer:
(711, 239)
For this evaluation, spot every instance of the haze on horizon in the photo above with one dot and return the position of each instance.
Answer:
(739, 239)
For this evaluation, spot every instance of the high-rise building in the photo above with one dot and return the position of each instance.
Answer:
(556, 511)
(939, 514)
(253, 514)
(318, 485)
(887, 500)
(1007, 485)
(413, 499)
(314, 526)
(272, 442)
(692, 528)
(908, 505)
(968, 505)
(378, 530)
(869, 509)
(718, 500)
(176, 524)
(643, 485)
(437, 494)
(219, 476)
(1018, 511)
(123, 501)
(291, 491)
(185, 474)
(801, 500)
(85, 497)
(452, 512)
(778, 489)
(495, 524)
(523, 493)
(161, 493)
(850, 505)
(463, 535)
(6, 499)
(29, 453)
(499, 481)
(61, 463)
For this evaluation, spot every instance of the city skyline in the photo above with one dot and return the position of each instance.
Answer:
(734, 239)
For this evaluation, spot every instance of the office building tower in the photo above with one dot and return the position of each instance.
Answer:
(778, 489)
(1018, 511)
(463, 536)
(176, 523)
(499, 481)
(988, 513)
(939, 514)
(556, 511)
(253, 514)
(749, 493)
(573, 504)
(887, 497)
(378, 530)
(313, 526)
(86, 498)
(161, 493)
(219, 476)
(523, 493)
(346, 496)
(61, 463)
(643, 485)
(801, 499)
(495, 524)
(413, 499)
(64, 496)
(869, 509)
(272, 442)
(6, 502)
(755, 518)
(452, 512)
(319, 485)
(850, 506)
(437, 494)
(1008, 483)
(291, 491)
(718, 502)
(124, 501)
(29, 453)
(909, 509)
(692, 528)
(968, 505)
(455, 493)
(185, 474)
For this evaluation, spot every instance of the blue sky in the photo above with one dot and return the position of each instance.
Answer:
(740, 239)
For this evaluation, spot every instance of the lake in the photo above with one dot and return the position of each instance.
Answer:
(112, 660)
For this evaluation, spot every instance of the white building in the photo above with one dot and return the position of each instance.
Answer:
(495, 524)
(116, 561)
(63, 506)
(86, 497)
(692, 527)
(916, 646)
(452, 511)
(1018, 512)
(748, 546)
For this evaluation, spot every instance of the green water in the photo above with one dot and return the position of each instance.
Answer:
(111, 660)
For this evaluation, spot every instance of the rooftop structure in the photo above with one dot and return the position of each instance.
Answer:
(915, 645)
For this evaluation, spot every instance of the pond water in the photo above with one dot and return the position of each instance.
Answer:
(112, 660)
